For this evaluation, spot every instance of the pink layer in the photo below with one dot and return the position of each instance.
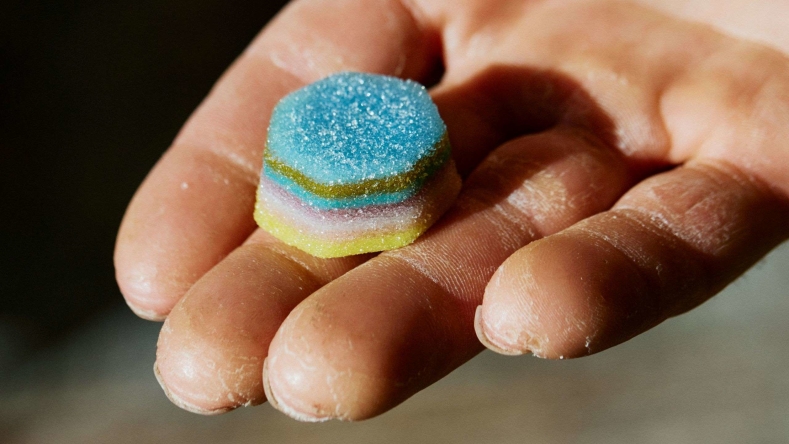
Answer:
(340, 224)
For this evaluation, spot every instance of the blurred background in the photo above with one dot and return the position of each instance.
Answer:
(92, 92)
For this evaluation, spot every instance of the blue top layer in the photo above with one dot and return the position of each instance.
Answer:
(351, 127)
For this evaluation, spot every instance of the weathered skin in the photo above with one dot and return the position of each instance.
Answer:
(623, 165)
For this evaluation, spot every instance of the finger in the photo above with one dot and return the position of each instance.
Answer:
(195, 206)
(671, 243)
(390, 327)
(210, 354)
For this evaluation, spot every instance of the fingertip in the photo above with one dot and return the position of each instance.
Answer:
(148, 286)
(321, 365)
(510, 320)
(294, 376)
(273, 399)
(184, 403)
(205, 400)
(143, 313)
(544, 300)
(144, 290)
(178, 225)
(201, 377)
(299, 374)
(496, 344)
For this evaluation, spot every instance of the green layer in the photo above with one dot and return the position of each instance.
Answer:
(421, 171)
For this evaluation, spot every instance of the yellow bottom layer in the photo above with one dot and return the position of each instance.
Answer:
(326, 248)
(430, 204)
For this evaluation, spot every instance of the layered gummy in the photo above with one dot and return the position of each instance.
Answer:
(355, 163)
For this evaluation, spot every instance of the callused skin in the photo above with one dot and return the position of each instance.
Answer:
(622, 164)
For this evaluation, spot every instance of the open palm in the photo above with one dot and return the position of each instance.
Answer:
(621, 166)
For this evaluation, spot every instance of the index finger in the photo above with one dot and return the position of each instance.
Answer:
(195, 206)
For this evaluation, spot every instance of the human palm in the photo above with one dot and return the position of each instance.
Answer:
(621, 166)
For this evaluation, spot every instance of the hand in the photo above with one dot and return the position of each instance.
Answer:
(622, 166)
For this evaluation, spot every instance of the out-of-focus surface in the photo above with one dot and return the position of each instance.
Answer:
(92, 92)
(716, 375)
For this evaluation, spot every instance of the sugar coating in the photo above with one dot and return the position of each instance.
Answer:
(354, 195)
(355, 163)
(420, 210)
(351, 127)
(327, 203)
(335, 233)
(372, 191)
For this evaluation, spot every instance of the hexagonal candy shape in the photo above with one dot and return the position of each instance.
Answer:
(355, 163)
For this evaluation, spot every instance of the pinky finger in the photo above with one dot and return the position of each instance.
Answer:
(669, 244)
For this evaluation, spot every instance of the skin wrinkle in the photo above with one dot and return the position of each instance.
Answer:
(196, 397)
(424, 298)
(323, 271)
(285, 408)
(227, 151)
(515, 341)
(740, 91)
(544, 195)
(511, 230)
(423, 258)
(638, 128)
(517, 222)
(637, 259)
(712, 217)
(433, 256)
(300, 358)
(178, 401)
(278, 250)
(518, 217)
(415, 260)
(299, 57)
(300, 60)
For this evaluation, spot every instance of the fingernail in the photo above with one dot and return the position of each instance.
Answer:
(494, 344)
(182, 403)
(277, 402)
(149, 315)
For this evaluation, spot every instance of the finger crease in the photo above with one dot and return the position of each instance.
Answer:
(240, 167)
(295, 262)
(652, 282)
